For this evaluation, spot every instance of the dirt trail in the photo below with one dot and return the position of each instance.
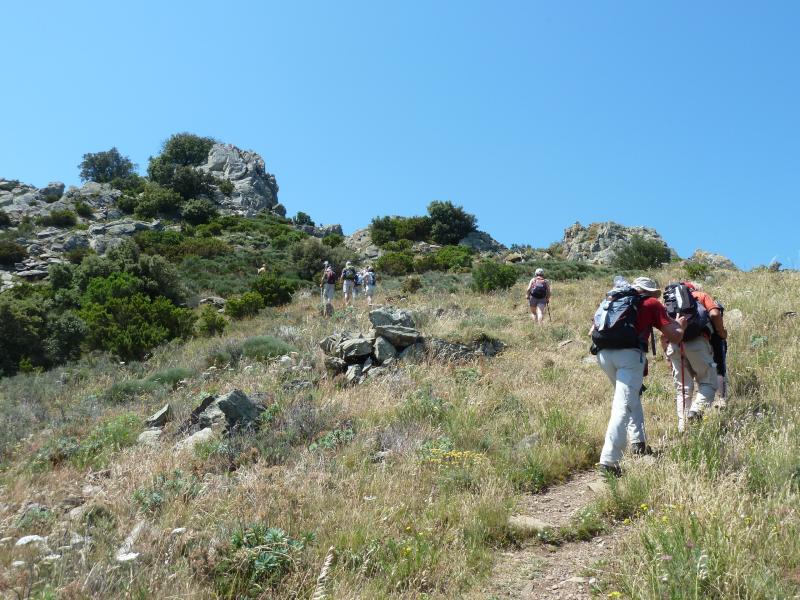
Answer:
(542, 571)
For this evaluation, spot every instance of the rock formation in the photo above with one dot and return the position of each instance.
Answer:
(599, 242)
(715, 261)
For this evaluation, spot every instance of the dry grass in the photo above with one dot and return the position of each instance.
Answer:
(415, 497)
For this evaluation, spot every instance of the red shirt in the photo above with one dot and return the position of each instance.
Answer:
(651, 314)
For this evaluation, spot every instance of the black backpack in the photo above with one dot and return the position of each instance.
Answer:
(615, 321)
(539, 290)
(349, 274)
(680, 301)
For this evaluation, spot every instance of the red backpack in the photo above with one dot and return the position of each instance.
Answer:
(330, 276)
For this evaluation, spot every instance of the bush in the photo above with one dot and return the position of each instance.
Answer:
(264, 347)
(302, 218)
(103, 167)
(454, 257)
(58, 218)
(246, 305)
(411, 285)
(642, 253)
(186, 149)
(174, 167)
(274, 290)
(226, 187)
(696, 270)
(333, 240)
(67, 333)
(157, 200)
(60, 276)
(490, 275)
(84, 210)
(395, 263)
(199, 211)
(11, 253)
(308, 255)
(23, 326)
(385, 230)
(192, 183)
(5, 220)
(76, 255)
(449, 223)
(210, 322)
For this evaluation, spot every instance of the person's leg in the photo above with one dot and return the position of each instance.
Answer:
(533, 311)
(683, 390)
(701, 361)
(540, 313)
(627, 369)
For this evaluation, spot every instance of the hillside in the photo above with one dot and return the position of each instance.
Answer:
(409, 477)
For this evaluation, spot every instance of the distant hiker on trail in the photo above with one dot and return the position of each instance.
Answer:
(369, 284)
(348, 278)
(693, 364)
(358, 284)
(538, 293)
(620, 333)
(328, 286)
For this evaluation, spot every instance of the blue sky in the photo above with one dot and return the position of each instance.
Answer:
(678, 115)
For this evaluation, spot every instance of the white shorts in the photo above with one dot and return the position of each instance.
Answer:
(348, 286)
(370, 290)
(327, 292)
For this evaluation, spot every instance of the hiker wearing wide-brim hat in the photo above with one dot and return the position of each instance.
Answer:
(620, 332)
(538, 294)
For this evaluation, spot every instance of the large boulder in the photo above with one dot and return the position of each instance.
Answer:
(415, 353)
(383, 350)
(254, 189)
(599, 242)
(715, 261)
(235, 408)
(449, 351)
(361, 243)
(482, 242)
(397, 335)
(391, 316)
(354, 349)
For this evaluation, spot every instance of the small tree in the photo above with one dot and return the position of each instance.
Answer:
(275, 290)
(642, 253)
(11, 253)
(302, 218)
(395, 263)
(490, 275)
(449, 223)
(211, 323)
(5, 220)
(103, 167)
(199, 211)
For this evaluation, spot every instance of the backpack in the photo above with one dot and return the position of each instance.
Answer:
(615, 321)
(539, 290)
(330, 276)
(370, 279)
(680, 300)
(349, 273)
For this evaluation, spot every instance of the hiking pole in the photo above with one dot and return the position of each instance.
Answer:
(549, 316)
(683, 388)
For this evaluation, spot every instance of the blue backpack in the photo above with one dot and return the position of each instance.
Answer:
(615, 321)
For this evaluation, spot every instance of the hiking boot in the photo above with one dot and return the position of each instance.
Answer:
(641, 449)
(694, 416)
(609, 470)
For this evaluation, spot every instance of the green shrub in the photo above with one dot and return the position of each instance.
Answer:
(169, 377)
(490, 275)
(84, 210)
(210, 322)
(103, 167)
(398, 246)
(226, 187)
(58, 218)
(199, 211)
(449, 223)
(127, 203)
(226, 355)
(395, 263)
(175, 246)
(454, 257)
(186, 149)
(246, 305)
(5, 220)
(385, 230)
(256, 559)
(60, 276)
(642, 253)
(76, 255)
(307, 256)
(123, 391)
(333, 240)
(264, 347)
(302, 218)
(118, 432)
(425, 263)
(23, 327)
(11, 253)
(275, 290)
(166, 488)
(66, 334)
(157, 200)
(411, 285)
(696, 270)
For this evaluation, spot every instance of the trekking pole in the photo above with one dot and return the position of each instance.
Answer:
(683, 387)
(549, 316)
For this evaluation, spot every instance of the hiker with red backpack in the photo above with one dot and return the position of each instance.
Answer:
(620, 332)
(328, 286)
(538, 294)
(693, 365)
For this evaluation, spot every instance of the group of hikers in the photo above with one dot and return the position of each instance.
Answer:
(354, 283)
(693, 337)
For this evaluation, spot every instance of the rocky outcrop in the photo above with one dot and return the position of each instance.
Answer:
(254, 189)
(599, 242)
(715, 261)
(321, 231)
(360, 242)
(20, 200)
(483, 243)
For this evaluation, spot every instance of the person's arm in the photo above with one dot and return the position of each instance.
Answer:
(719, 326)
(673, 330)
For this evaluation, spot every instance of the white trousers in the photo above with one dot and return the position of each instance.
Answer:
(625, 370)
(699, 367)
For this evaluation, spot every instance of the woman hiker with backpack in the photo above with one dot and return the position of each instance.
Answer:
(327, 287)
(693, 364)
(348, 278)
(620, 333)
(538, 293)
(369, 284)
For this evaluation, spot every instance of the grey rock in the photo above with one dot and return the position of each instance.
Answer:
(32, 274)
(149, 437)
(160, 418)
(73, 241)
(321, 231)
(715, 261)
(487, 346)
(445, 351)
(53, 189)
(353, 374)
(47, 233)
(367, 365)
(124, 553)
(589, 360)
(360, 242)
(354, 349)
(388, 315)
(599, 242)
(331, 343)
(335, 365)
(383, 350)
(254, 189)
(214, 301)
(398, 336)
(514, 257)
(204, 435)
(414, 354)
(31, 539)
(480, 241)
(237, 409)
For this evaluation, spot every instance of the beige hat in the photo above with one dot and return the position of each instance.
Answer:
(645, 284)
(539, 271)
